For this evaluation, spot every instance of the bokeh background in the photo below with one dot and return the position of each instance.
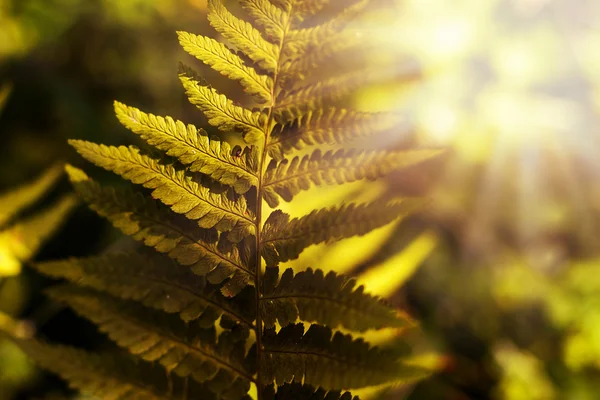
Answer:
(503, 268)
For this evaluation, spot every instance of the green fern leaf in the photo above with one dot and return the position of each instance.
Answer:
(243, 36)
(220, 111)
(110, 376)
(153, 336)
(173, 188)
(329, 126)
(193, 147)
(287, 178)
(285, 239)
(145, 222)
(320, 358)
(155, 282)
(20, 198)
(223, 60)
(271, 18)
(298, 391)
(329, 299)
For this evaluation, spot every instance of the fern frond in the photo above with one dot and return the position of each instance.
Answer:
(270, 17)
(223, 60)
(329, 126)
(287, 178)
(319, 357)
(173, 188)
(331, 299)
(298, 391)
(22, 197)
(206, 217)
(144, 221)
(155, 282)
(192, 147)
(220, 111)
(285, 239)
(243, 36)
(158, 337)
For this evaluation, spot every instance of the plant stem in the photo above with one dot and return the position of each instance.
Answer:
(259, 199)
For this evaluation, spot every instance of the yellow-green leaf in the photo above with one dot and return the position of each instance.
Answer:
(221, 112)
(329, 126)
(285, 239)
(244, 36)
(223, 60)
(172, 187)
(141, 219)
(288, 177)
(193, 147)
(272, 18)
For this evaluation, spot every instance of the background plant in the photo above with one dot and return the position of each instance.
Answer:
(20, 239)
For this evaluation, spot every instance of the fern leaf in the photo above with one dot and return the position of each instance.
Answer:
(223, 60)
(243, 36)
(285, 239)
(271, 18)
(145, 222)
(20, 198)
(298, 38)
(220, 111)
(287, 178)
(298, 391)
(329, 126)
(193, 147)
(153, 336)
(301, 8)
(319, 357)
(173, 188)
(295, 103)
(155, 282)
(329, 299)
(313, 56)
(109, 376)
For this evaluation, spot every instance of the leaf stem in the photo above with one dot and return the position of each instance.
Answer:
(259, 201)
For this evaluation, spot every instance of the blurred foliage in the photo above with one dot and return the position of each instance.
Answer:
(568, 296)
(507, 289)
(512, 87)
(20, 239)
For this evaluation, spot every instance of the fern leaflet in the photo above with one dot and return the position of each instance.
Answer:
(193, 147)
